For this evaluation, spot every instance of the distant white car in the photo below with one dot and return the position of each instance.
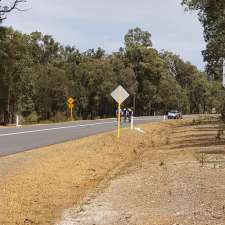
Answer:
(174, 114)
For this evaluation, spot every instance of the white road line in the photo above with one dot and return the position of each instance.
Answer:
(69, 127)
(150, 118)
(55, 128)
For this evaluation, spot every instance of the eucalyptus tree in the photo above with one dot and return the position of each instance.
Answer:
(8, 6)
(211, 14)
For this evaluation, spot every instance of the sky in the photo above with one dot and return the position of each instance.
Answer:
(89, 24)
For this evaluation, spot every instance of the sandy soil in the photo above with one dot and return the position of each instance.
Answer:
(36, 186)
(167, 185)
(171, 174)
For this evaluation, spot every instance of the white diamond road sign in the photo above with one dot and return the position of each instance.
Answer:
(120, 94)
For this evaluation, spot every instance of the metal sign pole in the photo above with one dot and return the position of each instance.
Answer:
(119, 95)
(71, 113)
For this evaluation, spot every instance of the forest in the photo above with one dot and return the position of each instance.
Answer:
(38, 74)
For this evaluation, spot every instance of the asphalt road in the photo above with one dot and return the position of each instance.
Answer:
(19, 139)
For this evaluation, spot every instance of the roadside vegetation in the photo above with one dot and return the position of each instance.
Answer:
(38, 74)
(212, 17)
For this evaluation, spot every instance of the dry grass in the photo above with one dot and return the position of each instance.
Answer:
(37, 185)
(166, 185)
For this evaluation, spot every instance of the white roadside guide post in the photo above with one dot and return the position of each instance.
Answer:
(18, 121)
(132, 122)
(119, 95)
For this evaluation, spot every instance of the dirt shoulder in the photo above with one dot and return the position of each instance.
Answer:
(169, 184)
(151, 178)
(37, 185)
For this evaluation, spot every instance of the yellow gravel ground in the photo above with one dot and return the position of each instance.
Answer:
(168, 184)
(37, 185)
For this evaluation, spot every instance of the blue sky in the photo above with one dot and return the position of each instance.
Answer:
(93, 23)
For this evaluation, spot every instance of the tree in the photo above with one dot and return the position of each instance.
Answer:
(193, 82)
(172, 95)
(14, 70)
(211, 14)
(38, 74)
(6, 8)
(51, 91)
(95, 79)
(137, 37)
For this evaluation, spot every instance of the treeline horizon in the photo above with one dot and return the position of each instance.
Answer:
(38, 74)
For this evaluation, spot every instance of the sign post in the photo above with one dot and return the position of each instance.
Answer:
(119, 95)
(70, 104)
(71, 114)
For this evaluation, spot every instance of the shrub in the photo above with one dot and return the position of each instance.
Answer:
(59, 117)
(32, 118)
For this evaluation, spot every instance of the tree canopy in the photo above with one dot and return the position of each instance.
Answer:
(211, 14)
(38, 74)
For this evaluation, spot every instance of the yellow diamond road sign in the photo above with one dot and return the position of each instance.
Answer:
(70, 101)
(120, 94)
